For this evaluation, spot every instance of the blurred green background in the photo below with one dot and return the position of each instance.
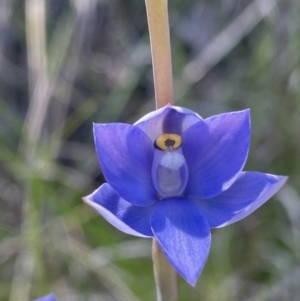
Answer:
(65, 64)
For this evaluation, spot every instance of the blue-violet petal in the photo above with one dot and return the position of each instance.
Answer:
(124, 216)
(47, 298)
(169, 119)
(247, 193)
(216, 150)
(183, 234)
(126, 153)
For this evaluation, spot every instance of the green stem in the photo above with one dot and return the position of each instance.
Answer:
(158, 21)
(166, 279)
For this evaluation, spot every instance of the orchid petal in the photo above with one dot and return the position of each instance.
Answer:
(124, 216)
(169, 119)
(215, 150)
(183, 234)
(247, 193)
(47, 298)
(126, 154)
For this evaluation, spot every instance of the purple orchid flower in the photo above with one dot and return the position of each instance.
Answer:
(47, 298)
(174, 176)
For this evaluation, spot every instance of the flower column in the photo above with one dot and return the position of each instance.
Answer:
(166, 278)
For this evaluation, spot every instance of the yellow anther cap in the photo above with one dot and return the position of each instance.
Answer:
(167, 141)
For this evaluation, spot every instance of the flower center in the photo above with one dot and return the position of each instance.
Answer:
(167, 141)
(169, 168)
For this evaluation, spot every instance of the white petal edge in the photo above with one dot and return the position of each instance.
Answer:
(161, 110)
(264, 196)
(111, 218)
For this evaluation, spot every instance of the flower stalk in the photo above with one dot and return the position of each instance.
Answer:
(158, 22)
(166, 279)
